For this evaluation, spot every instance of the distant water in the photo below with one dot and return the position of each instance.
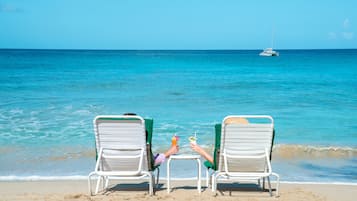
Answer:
(48, 99)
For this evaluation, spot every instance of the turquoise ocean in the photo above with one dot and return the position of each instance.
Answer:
(49, 98)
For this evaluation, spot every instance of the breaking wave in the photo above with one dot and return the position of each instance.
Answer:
(290, 151)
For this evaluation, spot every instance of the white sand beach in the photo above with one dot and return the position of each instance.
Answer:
(183, 190)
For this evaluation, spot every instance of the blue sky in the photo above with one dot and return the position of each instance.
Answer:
(178, 24)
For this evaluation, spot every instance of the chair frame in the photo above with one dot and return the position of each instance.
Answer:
(244, 176)
(138, 174)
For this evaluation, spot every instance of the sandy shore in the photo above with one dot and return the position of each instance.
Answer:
(183, 190)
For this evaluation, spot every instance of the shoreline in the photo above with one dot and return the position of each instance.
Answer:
(36, 178)
(182, 190)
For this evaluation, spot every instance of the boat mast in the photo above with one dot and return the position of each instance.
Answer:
(272, 39)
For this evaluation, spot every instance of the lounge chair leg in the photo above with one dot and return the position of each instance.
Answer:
(263, 186)
(271, 194)
(207, 178)
(151, 186)
(277, 184)
(158, 176)
(106, 182)
(90, 183)
(213, 186)
(213, 183)
(98, 182)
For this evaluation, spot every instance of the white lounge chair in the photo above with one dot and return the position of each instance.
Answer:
(245, 150)
(123, 150)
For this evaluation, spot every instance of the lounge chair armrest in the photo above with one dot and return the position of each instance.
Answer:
(208, 165)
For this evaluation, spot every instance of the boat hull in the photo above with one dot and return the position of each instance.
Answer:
(269, 52)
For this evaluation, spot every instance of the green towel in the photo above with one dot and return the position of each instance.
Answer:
(151, 159)
(217, 147)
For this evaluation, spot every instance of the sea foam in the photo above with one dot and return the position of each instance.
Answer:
(289, 151)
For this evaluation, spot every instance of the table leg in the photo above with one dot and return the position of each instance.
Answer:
(168, 175)
(199, 176)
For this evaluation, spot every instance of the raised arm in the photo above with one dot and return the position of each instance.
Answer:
(202, 152)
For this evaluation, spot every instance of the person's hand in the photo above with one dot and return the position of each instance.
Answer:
(195, 147)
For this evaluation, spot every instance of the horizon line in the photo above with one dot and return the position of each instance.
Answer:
(83, 49)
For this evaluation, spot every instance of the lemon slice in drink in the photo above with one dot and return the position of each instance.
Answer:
(192, 139)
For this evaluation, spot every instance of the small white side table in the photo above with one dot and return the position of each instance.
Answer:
(185, 157)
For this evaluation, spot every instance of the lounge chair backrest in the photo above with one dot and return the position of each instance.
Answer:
(123, 137)
(245, 138)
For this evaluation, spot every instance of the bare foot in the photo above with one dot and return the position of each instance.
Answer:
(172, 150)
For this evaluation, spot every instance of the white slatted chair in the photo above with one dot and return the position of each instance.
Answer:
(121, 142)
(245, 151)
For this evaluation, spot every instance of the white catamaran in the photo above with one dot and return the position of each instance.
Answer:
(269, 52)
